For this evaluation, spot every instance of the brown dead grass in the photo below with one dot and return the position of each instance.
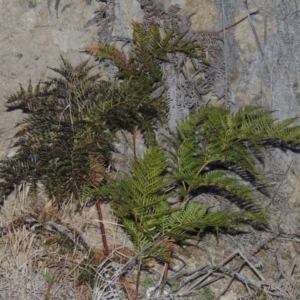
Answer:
(57, 254)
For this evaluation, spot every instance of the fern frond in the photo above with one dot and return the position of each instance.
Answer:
(139, 36)
(220, 151)
(26, 100)
(141, 204)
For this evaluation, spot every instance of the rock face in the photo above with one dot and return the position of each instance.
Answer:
(34, 33)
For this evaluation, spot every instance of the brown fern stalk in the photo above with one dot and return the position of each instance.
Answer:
(165, 277)
(134, 143)
(170, 244)
(138, 278)
(47, 293)
(102, 228)
(100, 217)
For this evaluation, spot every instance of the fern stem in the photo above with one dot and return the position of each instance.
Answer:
(48, 294)
(138, 276)
(100, 215)
(203, 167)
(197, 175)
(165, 277)
(102, 228)
(134, 143)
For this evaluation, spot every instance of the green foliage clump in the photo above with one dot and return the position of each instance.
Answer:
(219, 151)
(59, 142)
(67, 138)
(140, 201)
(140, 74)
(216, 152)
(69, 132)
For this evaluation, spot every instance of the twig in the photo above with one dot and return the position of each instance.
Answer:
(230, 282)
(241, 265)
(225, 51)
(294, 12)
(251, 266)
(208, 271)
(191, 289)
(160, 285)
(214, 268)
(279, 186)
(238, 22)
(192, 275)
(253, 29)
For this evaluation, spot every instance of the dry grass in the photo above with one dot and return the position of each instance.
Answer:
(39, 260)
(53, 254)
(57, 254)
(30, 272)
